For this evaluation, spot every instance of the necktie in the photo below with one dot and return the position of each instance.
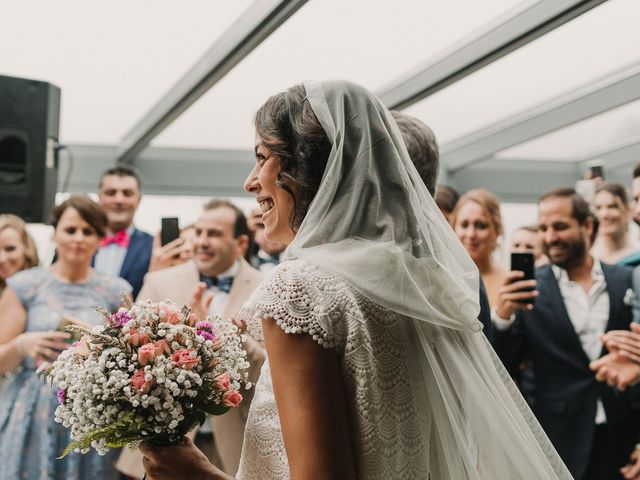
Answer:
(223, 284)
(120, 238)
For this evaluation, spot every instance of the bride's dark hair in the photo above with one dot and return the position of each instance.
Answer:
(288, 127)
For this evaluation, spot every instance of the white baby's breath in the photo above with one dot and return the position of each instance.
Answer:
(99, 391)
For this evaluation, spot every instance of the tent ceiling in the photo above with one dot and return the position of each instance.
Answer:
(502, 126)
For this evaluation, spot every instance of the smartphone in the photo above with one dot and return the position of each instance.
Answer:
(597, 169)
(170, 230)
(524, 262)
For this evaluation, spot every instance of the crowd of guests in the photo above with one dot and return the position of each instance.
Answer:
(565, 336)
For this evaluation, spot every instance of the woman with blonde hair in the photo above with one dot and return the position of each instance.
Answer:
(35, 303)
(17, 248)
(478, 224)
(612, 244)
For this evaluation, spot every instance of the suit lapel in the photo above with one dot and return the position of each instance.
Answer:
(130, 256)
(238, 293)
(565, 329)
(616, 293)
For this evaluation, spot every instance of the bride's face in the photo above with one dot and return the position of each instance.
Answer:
(276, 204)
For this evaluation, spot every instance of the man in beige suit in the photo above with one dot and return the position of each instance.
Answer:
(218, 280)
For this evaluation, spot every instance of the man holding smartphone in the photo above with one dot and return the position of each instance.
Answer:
(577, 299)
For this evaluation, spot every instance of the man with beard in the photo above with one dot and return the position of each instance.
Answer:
(577, 298)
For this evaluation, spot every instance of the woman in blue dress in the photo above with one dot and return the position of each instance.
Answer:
(31, 308)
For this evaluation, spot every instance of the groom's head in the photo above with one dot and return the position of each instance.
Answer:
(422, 147)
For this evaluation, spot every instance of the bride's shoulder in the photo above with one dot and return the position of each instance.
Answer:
(302, 298)
(302, 274)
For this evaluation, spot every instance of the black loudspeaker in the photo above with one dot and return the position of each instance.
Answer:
(29, 121)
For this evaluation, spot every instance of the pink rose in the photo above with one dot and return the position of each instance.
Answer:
(140, 383)
(171, 315)
(138, 338)
(232, 398)
(162, 347)
(147, 353)
(81, 349)
(221, 382)
(186, 358)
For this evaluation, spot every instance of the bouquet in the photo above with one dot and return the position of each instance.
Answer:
(152, 372)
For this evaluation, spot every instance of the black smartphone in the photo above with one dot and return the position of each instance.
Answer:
(597, 171)
(524, 262)
(170, 230)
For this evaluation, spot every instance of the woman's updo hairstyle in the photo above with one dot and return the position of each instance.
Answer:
(291, 131)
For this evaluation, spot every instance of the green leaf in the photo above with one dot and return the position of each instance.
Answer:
(215, 408)
(201, 416)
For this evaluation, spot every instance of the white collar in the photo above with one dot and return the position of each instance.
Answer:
(231, 271)
(562, 275)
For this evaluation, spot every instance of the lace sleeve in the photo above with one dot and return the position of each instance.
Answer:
(301, 299)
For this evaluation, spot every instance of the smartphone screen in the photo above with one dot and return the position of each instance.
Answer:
(170, 230)
(524, 262)
(597, 171)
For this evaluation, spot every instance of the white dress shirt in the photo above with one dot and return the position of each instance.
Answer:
(588, 312)
(110, 259)
(220, 298)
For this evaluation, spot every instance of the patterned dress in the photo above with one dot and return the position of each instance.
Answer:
(30, 439)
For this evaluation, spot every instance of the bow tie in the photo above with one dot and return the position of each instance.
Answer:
(120, 238)
(223, 284)
(270, 260)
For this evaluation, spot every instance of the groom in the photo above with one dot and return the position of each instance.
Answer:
(423, 150)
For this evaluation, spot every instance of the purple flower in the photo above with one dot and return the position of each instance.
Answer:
(119, 319)
(206, 335)
(61, 396)
(205, 326)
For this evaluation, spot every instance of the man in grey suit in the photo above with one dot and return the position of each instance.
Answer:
(217, 281)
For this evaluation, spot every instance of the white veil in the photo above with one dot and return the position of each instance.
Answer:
(374, 223)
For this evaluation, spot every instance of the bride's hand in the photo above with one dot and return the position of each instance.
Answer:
(171, 463)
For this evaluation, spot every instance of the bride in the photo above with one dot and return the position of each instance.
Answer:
(377, 366)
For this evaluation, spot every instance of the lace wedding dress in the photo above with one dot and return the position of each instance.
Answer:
(389, 418)
(377, 275)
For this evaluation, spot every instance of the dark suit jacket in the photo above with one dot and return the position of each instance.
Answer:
(566, 391)
(136, 261)
(485, 313)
